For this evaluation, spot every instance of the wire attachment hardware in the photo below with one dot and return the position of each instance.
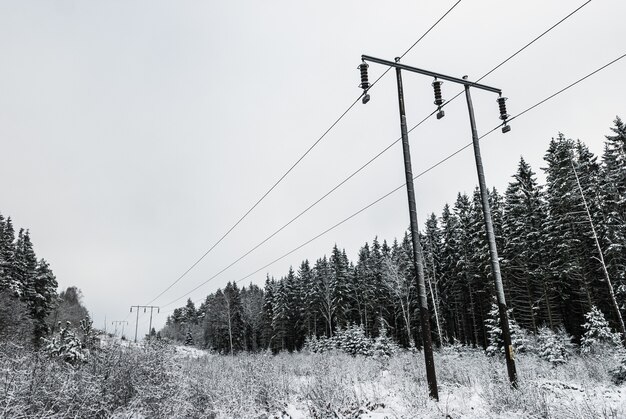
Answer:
(503, 115)
(365, 84)
(438, 98)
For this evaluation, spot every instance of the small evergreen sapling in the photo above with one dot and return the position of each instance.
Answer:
(554, 347)
(353, 341)
(597, 332)
(384, 346)
(67, 346)
(494, 333)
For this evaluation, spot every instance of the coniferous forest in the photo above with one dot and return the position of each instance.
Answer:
(551, 267)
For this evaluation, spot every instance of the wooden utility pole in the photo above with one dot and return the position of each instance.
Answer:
(137, 318)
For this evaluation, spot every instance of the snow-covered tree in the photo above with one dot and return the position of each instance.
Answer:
(66, 346)
(519, 339)
(554, 347)
(597, 331)
(384, 346)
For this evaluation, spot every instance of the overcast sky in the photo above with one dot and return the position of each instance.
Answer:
(134, 134)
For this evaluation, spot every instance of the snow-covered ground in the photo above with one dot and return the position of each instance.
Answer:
(175, 381)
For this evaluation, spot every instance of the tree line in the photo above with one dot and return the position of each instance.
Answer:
(551, 267)
(30, 307)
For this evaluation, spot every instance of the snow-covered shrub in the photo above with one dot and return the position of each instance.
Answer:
(353, 341)
(384, 346)
(88, 334)
(555, 348)
(597, 332)
(66, 346)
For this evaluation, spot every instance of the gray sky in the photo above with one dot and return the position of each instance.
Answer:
(135, 133)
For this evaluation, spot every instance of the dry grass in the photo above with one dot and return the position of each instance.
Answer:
(156, 382)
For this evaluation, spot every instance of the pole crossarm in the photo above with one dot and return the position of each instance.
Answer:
(431, 74)
(145, 307)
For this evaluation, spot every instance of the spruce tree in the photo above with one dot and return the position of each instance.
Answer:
(340, 285)
(451, 296)
(597, 331)
(530, 292)
(565, 235)
(8, 281)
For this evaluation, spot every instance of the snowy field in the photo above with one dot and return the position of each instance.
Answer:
(180, 382)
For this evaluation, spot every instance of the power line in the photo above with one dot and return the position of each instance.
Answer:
(388, 147)
(297, 161)
(440, 162)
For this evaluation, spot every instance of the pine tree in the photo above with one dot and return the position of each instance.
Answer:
(363, 289)
(307, 309)
(433, 255)
(43, 295)
(324, 293)
(252, 305)
(564, 236)
(530, 292)
(280, 320)
(470, 243)
(554, 347)
(8, 282)
(452, 298)
(597, 331)
(233, 316)
(339, 268)
(613, 193)
(267, 332)
(401, 287)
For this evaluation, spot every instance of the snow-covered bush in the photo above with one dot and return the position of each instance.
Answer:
(384, 346)
(555, 348)
(88, 334)
(353, 341)
(597, 332)
(66, 346)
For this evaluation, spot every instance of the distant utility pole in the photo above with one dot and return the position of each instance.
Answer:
(417, 250)
(620, 319)
(137, 319)
(122, 322)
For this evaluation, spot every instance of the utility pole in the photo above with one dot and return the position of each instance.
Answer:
(137, 319)
(122, 322)
(417, 256)
(620, 319)
(491, 238)
(417, 248)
